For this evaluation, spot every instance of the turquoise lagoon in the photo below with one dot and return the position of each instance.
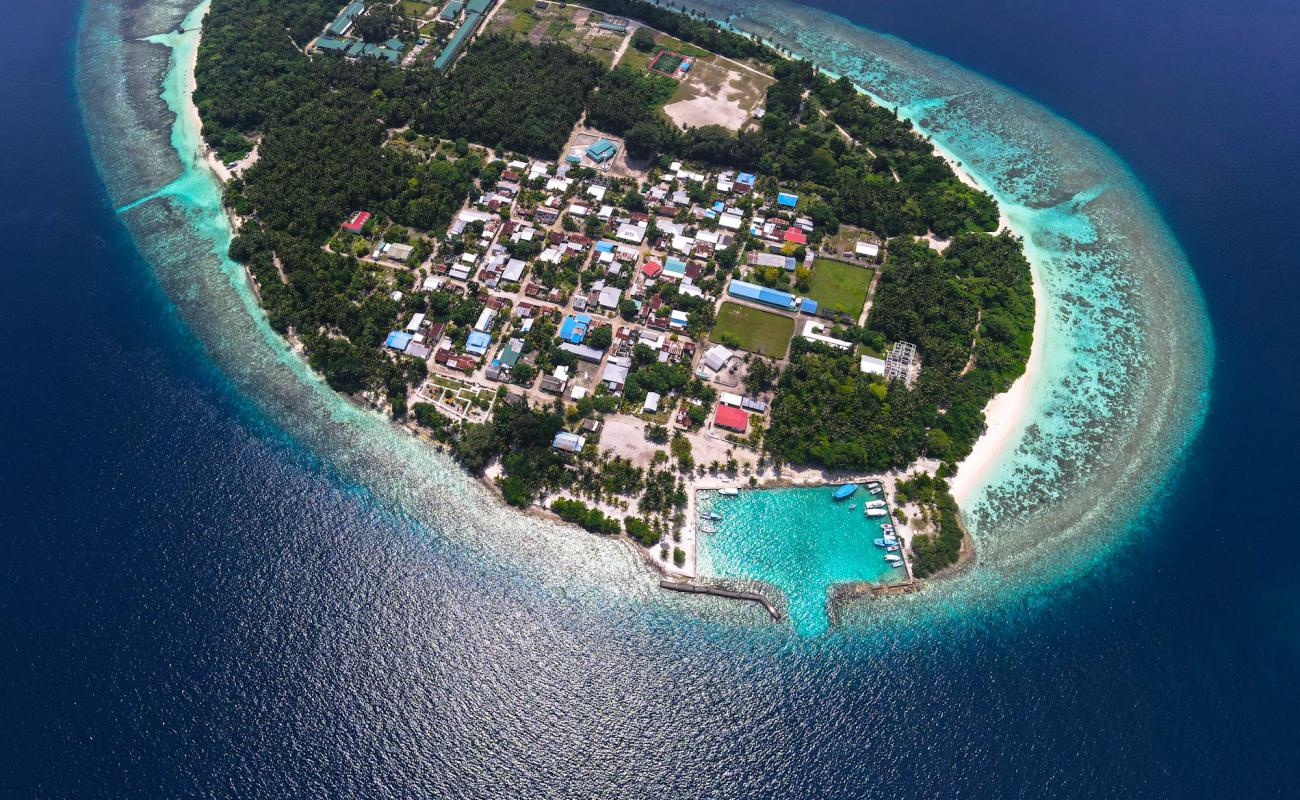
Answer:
(797, 539)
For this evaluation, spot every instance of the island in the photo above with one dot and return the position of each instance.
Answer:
(621, 262)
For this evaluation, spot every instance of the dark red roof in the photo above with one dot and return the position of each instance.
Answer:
(357, 222)
(731, 417)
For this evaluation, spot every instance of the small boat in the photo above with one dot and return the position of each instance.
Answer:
(893, 548)
(886, 542)
(896, 564)
(710, 515)
(887, 528)
(877, 512)
(707, 529)
(730, 491)
(853, 506)
(893, 559)
(873, 486)
(845, 491)
(876, 504)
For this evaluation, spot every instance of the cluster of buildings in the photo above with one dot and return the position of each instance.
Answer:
(336, 38)
(559, 245)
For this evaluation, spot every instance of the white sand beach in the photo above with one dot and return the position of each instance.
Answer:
(1006, 414)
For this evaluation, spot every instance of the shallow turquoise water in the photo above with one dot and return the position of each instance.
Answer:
(797, 539)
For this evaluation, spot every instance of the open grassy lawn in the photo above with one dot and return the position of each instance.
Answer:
(415, 10)
(839, 286)
(756, 331)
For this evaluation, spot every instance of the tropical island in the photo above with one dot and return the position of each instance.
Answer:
(613, 256)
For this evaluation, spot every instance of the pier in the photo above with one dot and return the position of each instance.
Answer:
(733, 594)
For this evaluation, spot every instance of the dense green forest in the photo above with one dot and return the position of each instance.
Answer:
(507, 94)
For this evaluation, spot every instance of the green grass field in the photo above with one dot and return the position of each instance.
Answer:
(839, 286)
(756, 331)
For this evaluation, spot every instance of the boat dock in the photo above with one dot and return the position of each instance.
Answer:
(733, 594)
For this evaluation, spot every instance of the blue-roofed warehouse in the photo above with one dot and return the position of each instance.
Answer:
(761, 294)
(787, 200)
(398, 340)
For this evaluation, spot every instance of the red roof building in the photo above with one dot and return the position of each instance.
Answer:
(356, 222)
(793, 234)
(731, 418)
(652, 269)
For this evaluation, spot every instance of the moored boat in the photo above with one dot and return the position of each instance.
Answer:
(893, 559)
(844, 491)
(710, 515)
(876, 504)
(729, 491)
(876, 512)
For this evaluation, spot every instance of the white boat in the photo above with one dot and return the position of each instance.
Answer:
(711, 515)
(877, 512)
(896, 564)
(876, 504)
(730, 491)
(893, 559)
(893, 548)
(855, 505)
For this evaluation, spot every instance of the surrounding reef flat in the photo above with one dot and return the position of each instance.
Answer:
(1118, 395)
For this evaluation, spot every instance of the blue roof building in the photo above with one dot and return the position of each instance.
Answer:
(398, 340)
(574, 328)
(478, 342)
(808, 305)
(787, 200)
(745, 178)
(604, 247)
(675, 265)
(761, 294)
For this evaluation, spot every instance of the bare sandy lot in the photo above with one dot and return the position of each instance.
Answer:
(717, 93)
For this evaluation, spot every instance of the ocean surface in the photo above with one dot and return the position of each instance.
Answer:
(220, 580)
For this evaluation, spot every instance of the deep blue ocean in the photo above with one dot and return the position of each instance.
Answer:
(192, 604)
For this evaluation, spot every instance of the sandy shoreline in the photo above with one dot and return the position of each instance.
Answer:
(1006, 413)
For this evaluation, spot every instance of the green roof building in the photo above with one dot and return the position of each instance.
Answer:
(479, 6)
(451, 11)
(343, 21)
(457, 41)
(603, 150)
(333, 44)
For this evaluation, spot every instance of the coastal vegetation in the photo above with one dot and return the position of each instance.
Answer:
(940, 545)
(828, 411)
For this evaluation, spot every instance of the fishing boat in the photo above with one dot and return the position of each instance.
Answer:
(710, 515)
(876, 512)
(707, 529)
(730, 491)
(886, 542)
(893, 559)
(844, 491)
(876, 504)
(853, 506)
(896, 564)
(893, 548)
